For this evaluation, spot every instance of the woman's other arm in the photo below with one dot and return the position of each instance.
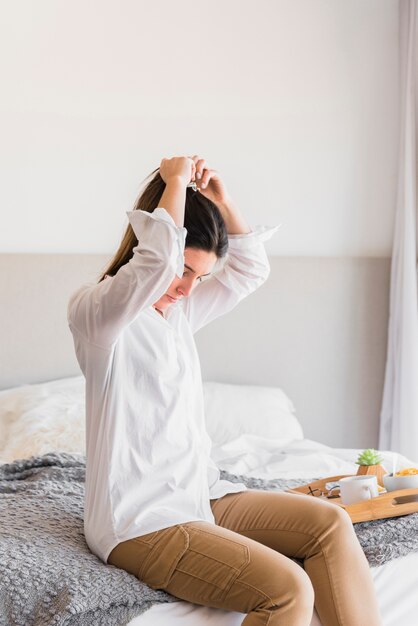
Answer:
(246, 267)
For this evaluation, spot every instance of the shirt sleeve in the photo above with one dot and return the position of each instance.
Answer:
(101, 311)
(245, 269)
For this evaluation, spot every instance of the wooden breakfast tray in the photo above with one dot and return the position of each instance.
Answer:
(390, 504)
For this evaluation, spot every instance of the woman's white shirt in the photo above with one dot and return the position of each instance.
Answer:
(148, 452)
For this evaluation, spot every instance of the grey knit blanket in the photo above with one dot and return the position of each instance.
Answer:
(48, 576)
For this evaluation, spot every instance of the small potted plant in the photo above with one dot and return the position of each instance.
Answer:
(369, 462)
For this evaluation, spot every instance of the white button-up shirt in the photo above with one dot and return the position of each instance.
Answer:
(148, 452)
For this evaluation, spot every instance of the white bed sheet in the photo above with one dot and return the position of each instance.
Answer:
(396, 582)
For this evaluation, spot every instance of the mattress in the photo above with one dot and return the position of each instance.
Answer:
(396, 582)
(36, 419)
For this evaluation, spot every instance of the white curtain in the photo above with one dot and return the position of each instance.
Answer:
(399, 415)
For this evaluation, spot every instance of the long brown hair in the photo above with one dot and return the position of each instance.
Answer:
(203, 221)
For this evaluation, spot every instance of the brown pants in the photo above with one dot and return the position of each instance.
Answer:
(244, 562)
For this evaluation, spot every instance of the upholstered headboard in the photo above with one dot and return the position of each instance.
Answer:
(317, 329)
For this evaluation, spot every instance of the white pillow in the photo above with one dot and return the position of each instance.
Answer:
(48, 417)
(234, 410)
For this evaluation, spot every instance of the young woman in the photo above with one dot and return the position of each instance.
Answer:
(154, 504)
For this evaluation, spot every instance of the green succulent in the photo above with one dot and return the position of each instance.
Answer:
(369, 457)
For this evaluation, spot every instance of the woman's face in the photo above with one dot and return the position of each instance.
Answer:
(197, 263)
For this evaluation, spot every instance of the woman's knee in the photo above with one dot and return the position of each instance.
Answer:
(329, 517)
(332, 527)
(295, 591)
(339, 521)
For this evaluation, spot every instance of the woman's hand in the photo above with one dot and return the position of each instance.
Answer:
(177, 168)
(209, 183)
(211, 186)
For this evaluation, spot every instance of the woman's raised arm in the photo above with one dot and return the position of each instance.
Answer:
(101, 311)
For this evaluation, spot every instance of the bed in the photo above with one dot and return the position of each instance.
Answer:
(39, 419)
(42, 394)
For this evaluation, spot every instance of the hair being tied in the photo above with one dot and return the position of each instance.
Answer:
(203, 221)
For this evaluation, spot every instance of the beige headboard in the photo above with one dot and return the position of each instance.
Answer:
(317, 329)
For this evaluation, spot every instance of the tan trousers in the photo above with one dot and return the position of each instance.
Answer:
(244, 562)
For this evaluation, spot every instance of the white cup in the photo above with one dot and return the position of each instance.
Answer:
(357, 488)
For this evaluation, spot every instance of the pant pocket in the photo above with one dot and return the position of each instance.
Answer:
(213, 561)
(168, 548)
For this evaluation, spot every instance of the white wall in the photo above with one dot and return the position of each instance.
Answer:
(294, 101)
